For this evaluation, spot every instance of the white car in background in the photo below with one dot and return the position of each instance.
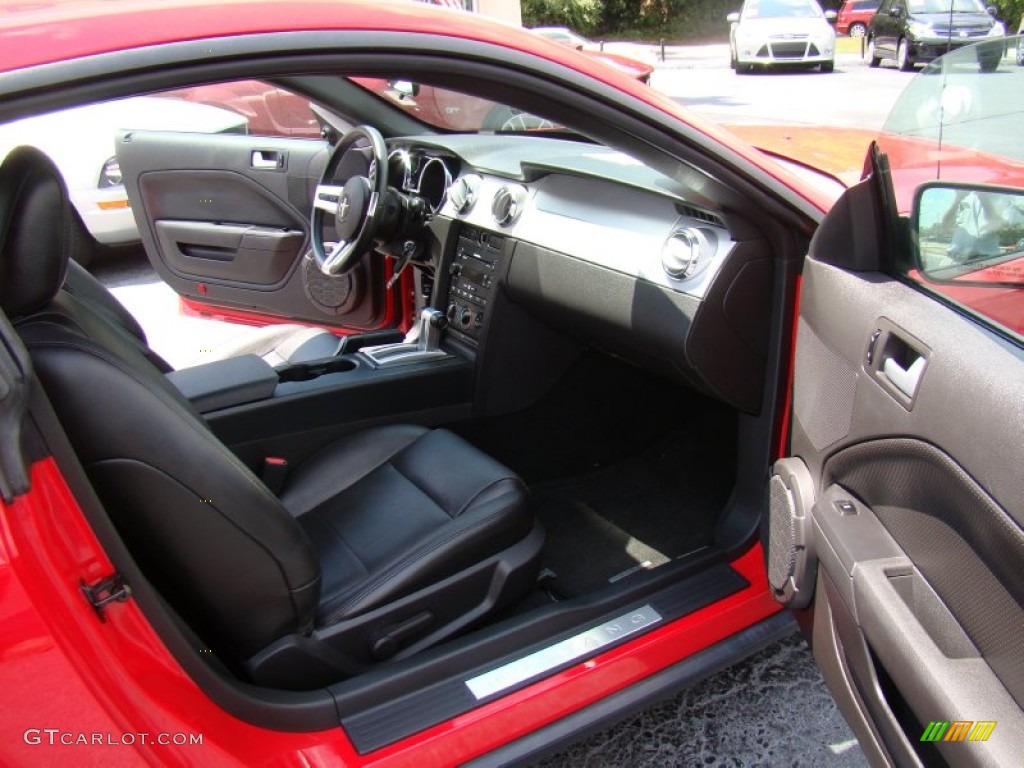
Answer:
(781, 32)
(81, 143)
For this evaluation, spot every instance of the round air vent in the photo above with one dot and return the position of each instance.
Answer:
(464, 191)
(507, 204)
(686, 252)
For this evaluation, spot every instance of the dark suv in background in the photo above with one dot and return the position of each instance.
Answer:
(912, 32)
(854, 17)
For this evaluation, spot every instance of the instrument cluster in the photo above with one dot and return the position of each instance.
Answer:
(427, 175)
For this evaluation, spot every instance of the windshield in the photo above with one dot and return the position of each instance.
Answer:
(449, 110)
(771, 9)
(945, 6)
(957, 121)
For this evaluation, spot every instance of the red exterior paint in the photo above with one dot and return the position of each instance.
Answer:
(71, 672)
(782, 434)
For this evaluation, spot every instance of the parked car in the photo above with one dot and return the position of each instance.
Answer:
(659, 391)
(634, 66)
(80, 141)
(768, 33)
(912, 32)
(854, 17)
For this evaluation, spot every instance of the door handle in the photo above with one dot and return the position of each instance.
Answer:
(896, 361)
(904, 379)
(267, 159)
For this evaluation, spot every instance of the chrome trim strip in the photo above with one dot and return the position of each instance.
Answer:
(575, 647)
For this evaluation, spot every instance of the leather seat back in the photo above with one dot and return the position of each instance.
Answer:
(205, 530)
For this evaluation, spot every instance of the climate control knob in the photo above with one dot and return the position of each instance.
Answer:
(465, 318)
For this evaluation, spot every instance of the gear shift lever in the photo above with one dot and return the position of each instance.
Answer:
(423, 342)
(432, 322)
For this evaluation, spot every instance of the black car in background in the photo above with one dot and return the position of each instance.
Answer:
(912, 32)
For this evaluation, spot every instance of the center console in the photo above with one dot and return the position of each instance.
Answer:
(474, 275)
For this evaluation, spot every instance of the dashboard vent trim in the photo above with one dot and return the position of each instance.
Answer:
(701, 215)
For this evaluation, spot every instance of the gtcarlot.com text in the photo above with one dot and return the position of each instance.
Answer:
(58, 737)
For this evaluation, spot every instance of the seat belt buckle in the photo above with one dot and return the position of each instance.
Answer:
(275, 472)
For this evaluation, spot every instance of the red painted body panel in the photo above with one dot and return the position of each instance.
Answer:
(73, 673)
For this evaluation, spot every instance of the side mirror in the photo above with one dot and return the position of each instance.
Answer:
(831, 15)
(992, 11)
(965, 229)
(895, 12)
(405, 88)
(733, 18)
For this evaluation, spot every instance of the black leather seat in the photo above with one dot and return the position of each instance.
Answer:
(380, 544)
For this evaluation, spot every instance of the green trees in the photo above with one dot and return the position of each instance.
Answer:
(638, 19)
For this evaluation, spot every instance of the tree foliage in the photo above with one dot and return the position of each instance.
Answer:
(640, 19)
(583, 16)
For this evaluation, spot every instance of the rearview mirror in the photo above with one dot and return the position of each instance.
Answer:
(405, 88)
(964, 229)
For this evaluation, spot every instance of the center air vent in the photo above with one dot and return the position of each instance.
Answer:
(464, 191)
(508, 203)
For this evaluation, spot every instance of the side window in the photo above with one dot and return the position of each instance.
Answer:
(252, 107)
(957, 169)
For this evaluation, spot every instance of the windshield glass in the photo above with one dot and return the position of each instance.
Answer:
(771, 9)
(944, 6)
(448, 110)
(957, 121)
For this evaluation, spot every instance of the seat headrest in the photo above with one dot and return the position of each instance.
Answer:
(36, 231)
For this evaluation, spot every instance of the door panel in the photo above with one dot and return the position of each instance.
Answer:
(225, 222)
(908, 417)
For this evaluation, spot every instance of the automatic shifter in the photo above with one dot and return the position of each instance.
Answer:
(423, 342)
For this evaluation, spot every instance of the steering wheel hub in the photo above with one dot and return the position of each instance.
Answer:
(352, 207)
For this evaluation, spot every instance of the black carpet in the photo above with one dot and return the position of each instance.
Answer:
(627, 469)
(636, 514)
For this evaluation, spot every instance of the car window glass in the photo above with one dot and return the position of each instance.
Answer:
(770, 9)
(957, 163)
(450, 110)
(946, 6)
(265, 109)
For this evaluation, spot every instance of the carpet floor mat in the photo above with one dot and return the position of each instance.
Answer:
(636, 514)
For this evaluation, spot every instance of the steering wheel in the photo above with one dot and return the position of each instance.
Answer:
(357, 208)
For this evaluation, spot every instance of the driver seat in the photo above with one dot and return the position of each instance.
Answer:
(379, 545)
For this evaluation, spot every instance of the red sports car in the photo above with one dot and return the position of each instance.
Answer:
(614, 390)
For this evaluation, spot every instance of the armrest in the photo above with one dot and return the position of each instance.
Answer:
(224, 383)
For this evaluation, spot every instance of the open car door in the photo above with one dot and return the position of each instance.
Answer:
(224, 217)
(897, 521)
